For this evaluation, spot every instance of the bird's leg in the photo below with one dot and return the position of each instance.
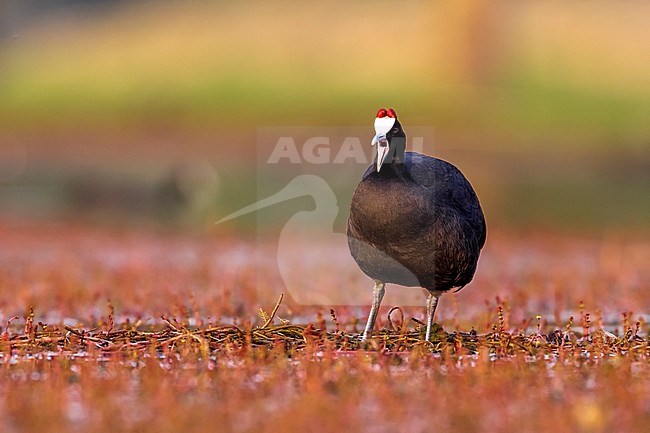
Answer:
(432, 303)
(377, 295)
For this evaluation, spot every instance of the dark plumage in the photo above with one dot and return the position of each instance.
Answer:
(414, 221)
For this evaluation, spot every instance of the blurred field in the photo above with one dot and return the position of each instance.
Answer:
(71, 271)
(146, 331)
(464, 67)
(541, 109)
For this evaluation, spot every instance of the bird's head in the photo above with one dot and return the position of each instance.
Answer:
(390, 138)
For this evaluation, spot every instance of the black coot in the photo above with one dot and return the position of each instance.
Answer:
(415, 221)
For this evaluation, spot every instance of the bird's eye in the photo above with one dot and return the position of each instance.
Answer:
(395, 130)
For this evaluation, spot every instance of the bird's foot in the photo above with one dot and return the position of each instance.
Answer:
(435, 332)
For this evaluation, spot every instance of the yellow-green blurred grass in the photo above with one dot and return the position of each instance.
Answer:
(577, 74)
(544, 107)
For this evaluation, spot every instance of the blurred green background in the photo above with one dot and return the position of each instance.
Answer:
(143, 112)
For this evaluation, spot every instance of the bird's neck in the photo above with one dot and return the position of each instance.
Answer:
(396, 169)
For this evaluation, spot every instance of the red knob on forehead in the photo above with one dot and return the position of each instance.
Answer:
(391, 113)
(382, 112)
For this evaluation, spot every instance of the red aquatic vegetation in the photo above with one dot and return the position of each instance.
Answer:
(148, 331)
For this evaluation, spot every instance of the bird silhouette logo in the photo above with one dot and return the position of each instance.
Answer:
(319, 274)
